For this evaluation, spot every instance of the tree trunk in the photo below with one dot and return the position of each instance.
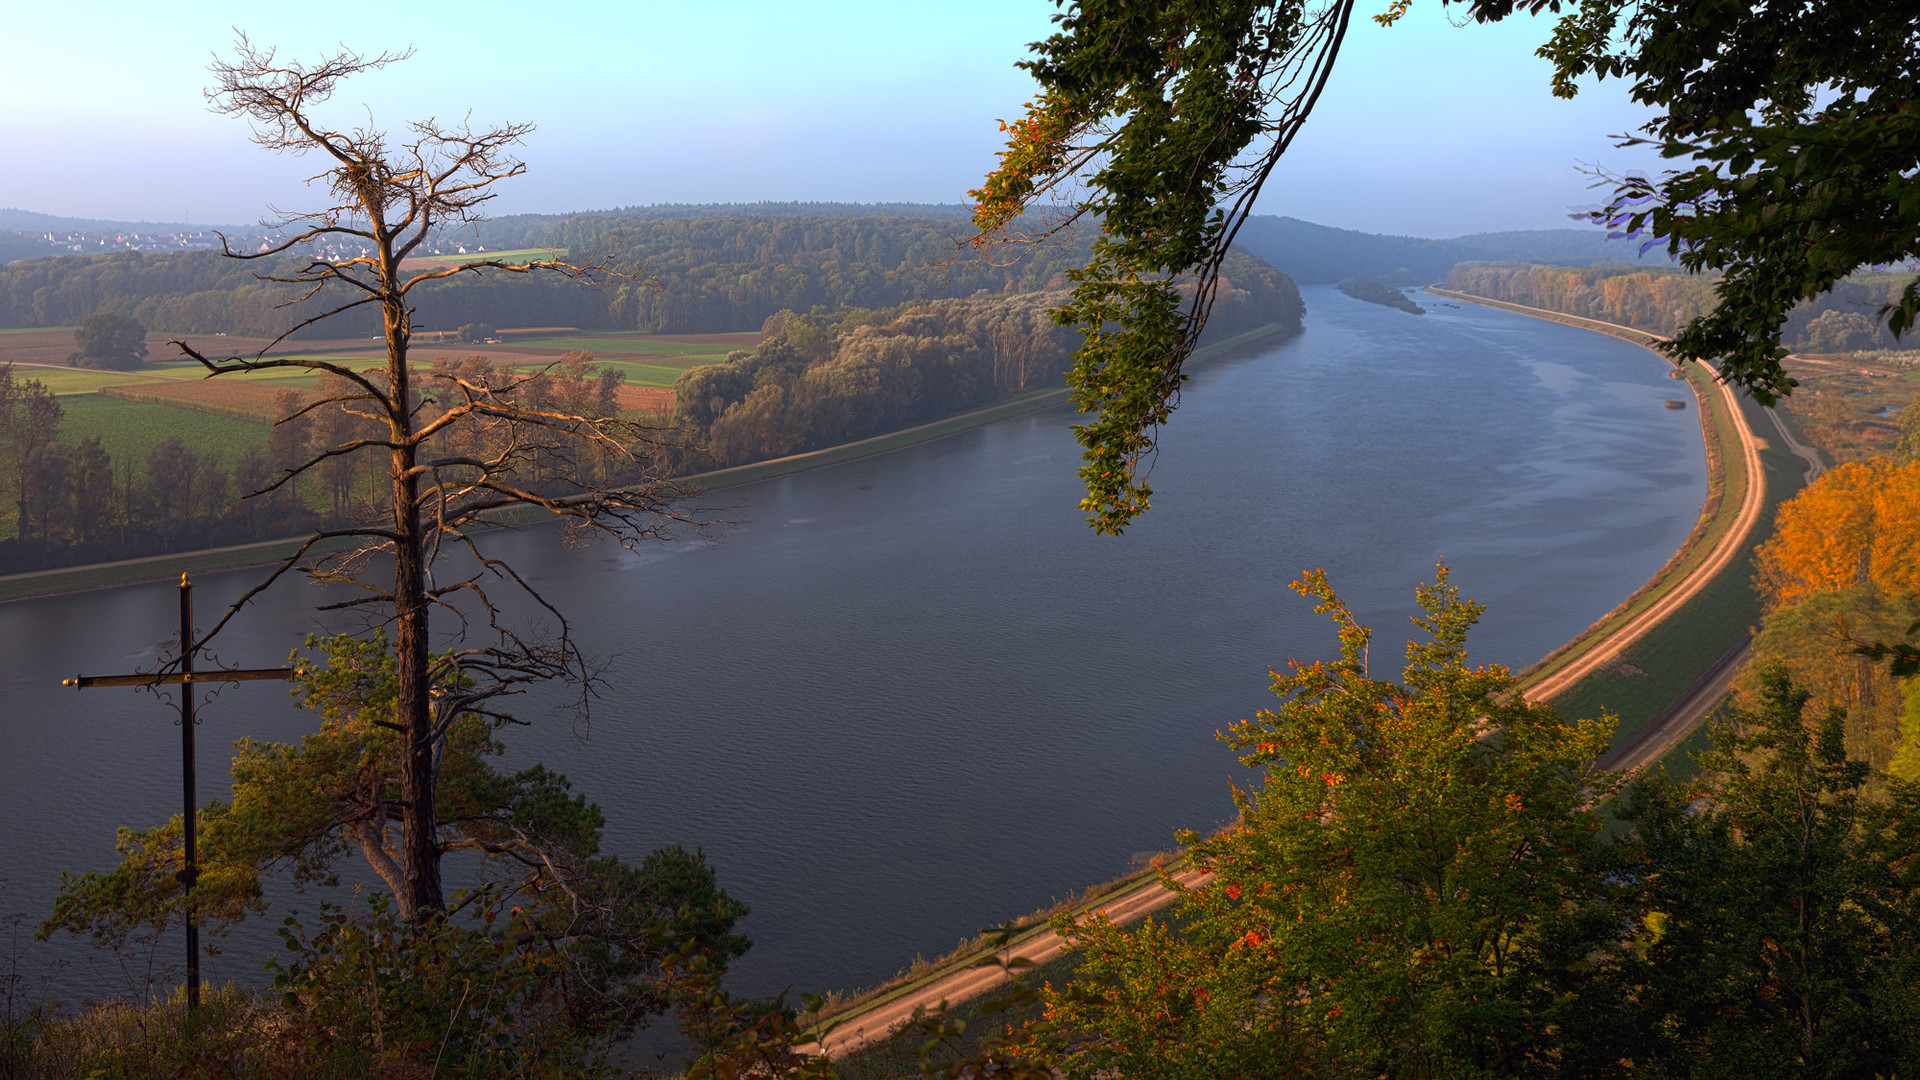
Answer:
(420, 828)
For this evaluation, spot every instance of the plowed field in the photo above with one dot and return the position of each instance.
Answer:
(653, 399)
(221, 397)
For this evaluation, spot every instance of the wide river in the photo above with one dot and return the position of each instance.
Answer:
(908, 697)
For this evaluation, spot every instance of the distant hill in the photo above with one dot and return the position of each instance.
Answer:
(29, 222)
(1308, 253)
(511, 231)
(1315, 254)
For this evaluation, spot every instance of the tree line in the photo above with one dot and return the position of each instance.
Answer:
(831, 377)
(72, 502)
(695, 274)
(1666, 299)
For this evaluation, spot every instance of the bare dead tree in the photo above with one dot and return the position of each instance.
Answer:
(467, 448)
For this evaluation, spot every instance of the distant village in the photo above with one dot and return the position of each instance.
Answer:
(37, 243)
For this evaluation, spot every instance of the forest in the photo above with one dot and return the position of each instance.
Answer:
(821, 379)
(691, 274)
(1661, 300)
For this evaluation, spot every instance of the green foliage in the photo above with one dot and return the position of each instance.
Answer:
(299, 808)
(1165, 119)
(1801, 130)
(1403, 895)
(107, 340)
(1780, 917)
(367, 994)
(475, 333)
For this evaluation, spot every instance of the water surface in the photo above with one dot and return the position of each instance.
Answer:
(911, 696)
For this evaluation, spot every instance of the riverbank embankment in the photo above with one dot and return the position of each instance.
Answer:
(1667, 655)
(169, 567)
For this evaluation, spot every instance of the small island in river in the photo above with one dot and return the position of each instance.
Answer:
(1375, 293)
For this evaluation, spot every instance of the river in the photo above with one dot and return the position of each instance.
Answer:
(911, 696)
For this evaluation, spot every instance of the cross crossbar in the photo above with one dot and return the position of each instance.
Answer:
(81, 682)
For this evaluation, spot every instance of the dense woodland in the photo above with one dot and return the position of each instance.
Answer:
(817, 380)
(691, 274)
(1664, 299)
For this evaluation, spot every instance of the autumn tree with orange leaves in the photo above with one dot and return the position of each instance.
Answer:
(1843, 567)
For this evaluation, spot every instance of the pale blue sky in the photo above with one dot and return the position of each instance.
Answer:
(1427, 129)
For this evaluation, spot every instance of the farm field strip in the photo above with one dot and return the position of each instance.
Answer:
(648, 399)
(65, 382)
(224, 397)
(129, 430)
(631, 345)
(422, 262)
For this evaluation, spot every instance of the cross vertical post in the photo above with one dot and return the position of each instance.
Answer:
(190, 856)
(190, 873)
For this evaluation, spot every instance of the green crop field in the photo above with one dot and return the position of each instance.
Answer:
(64, 381)
(639, 374)
(130, 429)
(631, 345)
(513, 256)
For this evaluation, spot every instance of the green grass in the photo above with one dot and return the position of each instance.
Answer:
(129, 430)
(1678, 762)
(630, 344)
(512, 255)
(65, 381)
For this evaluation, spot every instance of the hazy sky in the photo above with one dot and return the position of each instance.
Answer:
(1427, 129)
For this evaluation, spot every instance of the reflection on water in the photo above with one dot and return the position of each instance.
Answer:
(912, 696)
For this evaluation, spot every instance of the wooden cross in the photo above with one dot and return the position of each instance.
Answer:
(187, 677)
